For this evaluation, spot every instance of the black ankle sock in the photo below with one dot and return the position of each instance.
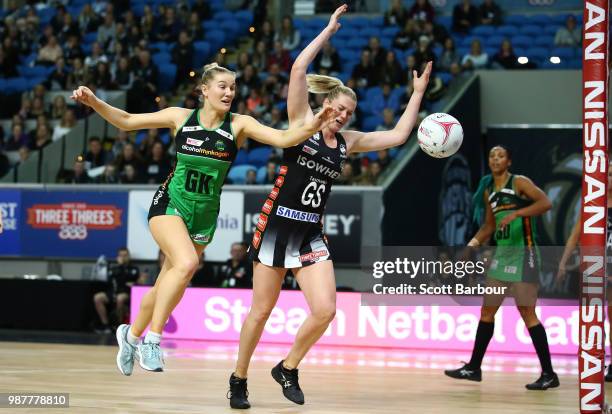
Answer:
(540, 343)
(484, 333)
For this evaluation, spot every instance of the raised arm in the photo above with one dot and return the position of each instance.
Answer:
(373, 141)
(166, 118)
(297, 98)
(248, 127)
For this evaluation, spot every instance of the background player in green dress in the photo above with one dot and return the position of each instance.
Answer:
(511, 203)
(184, 210)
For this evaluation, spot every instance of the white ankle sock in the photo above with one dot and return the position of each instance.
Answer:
(152, 337)
(132, 340)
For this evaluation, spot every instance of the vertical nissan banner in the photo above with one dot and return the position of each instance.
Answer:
(594, 212)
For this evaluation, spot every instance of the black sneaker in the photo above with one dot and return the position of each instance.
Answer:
(465, 372)
(288, 379)
(546, 381)
(609, 374)
(238, 393)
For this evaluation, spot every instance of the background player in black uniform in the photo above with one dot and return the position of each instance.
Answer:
(121, 278)
(571, 244)
(289, 232)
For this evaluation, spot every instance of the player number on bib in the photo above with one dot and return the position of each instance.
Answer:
(312, 194)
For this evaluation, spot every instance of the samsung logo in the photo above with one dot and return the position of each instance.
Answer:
(297, 215)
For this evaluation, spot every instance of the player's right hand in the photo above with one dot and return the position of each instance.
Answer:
(560, 275)
(83, 95)
(334, 23)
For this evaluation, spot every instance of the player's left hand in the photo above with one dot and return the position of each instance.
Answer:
(420, 82)
(326, 116)
(334, 23)
(506, 220)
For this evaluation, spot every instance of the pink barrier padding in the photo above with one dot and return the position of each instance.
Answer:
(217, 314)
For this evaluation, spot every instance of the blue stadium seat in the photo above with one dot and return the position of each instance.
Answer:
(483, 30)
(467, 41)
(167, 75)
(507, 30)
(370, 32)
(370, 123)
(45, 15)
(386, 42)
(446, 21)
(545, 41)
(138, 9)
(445, 77)
(318, 23)
(494, 41)
(233, 26)
(14, 85)
(390, 31)
(540, 19)
(462, 51)
(372, 155)
(259, 156)
(377, 21)
(223, 16)
(216, 38)
(161, 47)
(551, 29)
(491, 51)
(161, 58)
(565, 53)
(531, 30)
(245, 16)
(438, 49)
(357, 43)
(538, 54)
(574, 64)
(516, 19)
(520, 51)
(202, 48)
(261, 174)
(299, 24)
(345, 76)
(521, 41)
(238, 173)
(241, 157)
(359, 21)
(90, 37)
(32, 82)
(35, 71)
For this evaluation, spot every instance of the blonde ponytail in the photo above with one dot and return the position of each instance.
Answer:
(332, 87)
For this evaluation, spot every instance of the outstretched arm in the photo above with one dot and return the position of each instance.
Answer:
(378, 140)
(166, 118)
(297, 98)
(248, 127)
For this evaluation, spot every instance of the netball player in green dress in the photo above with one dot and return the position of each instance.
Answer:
(184, 210)
(511, 203)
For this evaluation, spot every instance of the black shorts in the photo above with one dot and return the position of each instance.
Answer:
(287, 244)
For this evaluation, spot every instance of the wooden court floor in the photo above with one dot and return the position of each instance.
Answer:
(334, 380)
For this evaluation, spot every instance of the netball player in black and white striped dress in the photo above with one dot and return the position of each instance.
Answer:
(289, 233)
